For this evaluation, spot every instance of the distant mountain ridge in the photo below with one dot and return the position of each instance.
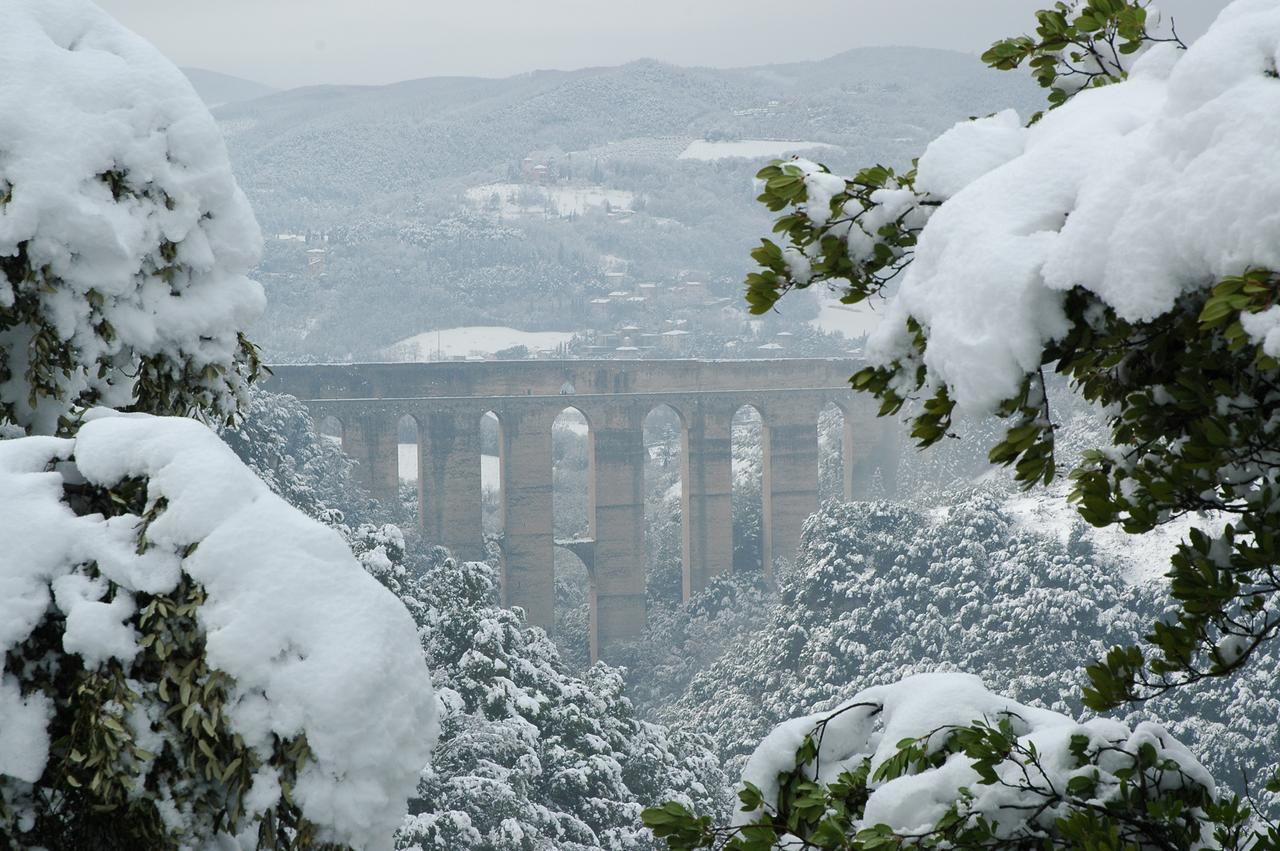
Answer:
(453, 202)
(878, 104)
(216, 88)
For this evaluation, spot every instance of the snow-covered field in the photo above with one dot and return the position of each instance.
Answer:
(473, 340)
(515, 199)
(851, 320)
(748, 149)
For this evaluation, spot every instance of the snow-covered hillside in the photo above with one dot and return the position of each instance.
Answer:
(448, 343)
(751, 149)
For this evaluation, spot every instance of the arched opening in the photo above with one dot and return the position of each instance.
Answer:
(748, 499)
(491, 518)
(573, 609)
(571, 470)
(571, 521)
(329, 429)
(664, 453)
(831, 454)
(407, 462)
(407, 443)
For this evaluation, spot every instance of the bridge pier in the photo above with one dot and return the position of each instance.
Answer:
(449, 506)
(616, 507)
(868, 446)
(790, 482)
(707, 496)
(528, 553)
(371, 439)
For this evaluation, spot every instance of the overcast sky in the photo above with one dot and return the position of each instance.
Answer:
(298, 42)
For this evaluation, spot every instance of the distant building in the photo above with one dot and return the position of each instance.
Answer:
(674, 342)
(600, 307)
(315, 262)
(536, 172)
(693, 292)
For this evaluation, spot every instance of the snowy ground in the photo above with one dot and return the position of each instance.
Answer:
(851, 320)
(748, 149)
(516, 199)
(473, 340)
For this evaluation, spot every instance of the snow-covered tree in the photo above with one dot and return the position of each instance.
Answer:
(187, 658)
(276, 437)
(679, 642)
(186, 661)
(124, 239)
(882, 591)
(530, 756)
(937, 761)
(1124, 240)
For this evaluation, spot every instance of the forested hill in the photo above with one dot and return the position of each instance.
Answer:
(352, 144)
(458, 202)
(216, 89)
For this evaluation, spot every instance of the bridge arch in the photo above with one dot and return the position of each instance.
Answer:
(665, 442)
(409, 457)
(492, 521)
(571, 473)
(330, 427)
(833, 434)
(575, 571)
(747, 489)
(871, 451)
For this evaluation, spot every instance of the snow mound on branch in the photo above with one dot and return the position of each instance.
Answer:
(82, 98)
(1140, 191)
(315, 645)
(873, 722)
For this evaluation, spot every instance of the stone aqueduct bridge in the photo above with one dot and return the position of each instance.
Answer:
(449, 399)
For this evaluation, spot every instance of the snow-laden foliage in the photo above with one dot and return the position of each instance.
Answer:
(1138, 193)
(124, 240)
(276, 438)
(189, 659)
(1125, 240)
(531, 756)
(937, 761)
(928, 708)
(881, 590)
(679, 642)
